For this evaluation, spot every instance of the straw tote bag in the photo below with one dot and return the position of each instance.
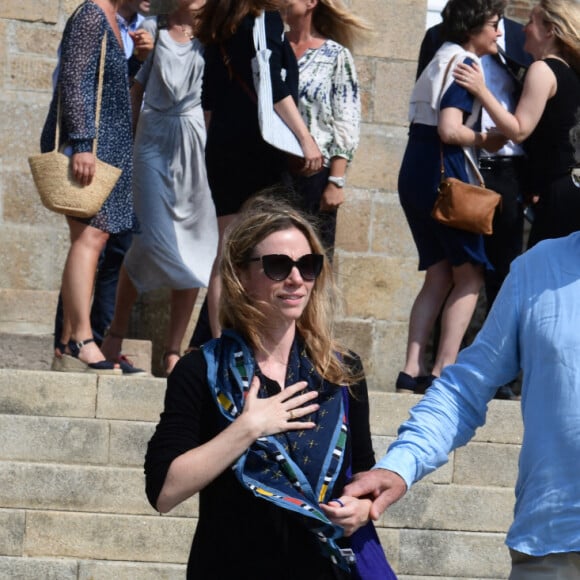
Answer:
(274, 130)
(52, 174)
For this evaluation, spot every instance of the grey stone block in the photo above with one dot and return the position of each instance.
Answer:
(453, 554)
(486, 464)
(28, 312)
(73, 488)
(109, 537)
(503, 422)
(25, 351)
(128, 442)
(38, 568)
(130, 571)
(135, 399)
(11, 533)
(47, 393)
(53, 439)
(452, 507)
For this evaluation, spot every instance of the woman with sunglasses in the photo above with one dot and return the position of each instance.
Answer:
(443, 119)
(545, 115)
(267, 421)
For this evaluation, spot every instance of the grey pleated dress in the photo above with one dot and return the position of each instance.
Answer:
(178, 240)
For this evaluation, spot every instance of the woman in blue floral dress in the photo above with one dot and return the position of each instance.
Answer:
(321, 33)
(77, 83)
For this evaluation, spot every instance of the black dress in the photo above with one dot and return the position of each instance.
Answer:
(239, 162)
(239, 535)
(550, 157)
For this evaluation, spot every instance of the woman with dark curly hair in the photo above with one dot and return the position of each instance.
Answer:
(544, 115)
(442, 117)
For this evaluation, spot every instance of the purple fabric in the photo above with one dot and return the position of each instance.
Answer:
(371, 562)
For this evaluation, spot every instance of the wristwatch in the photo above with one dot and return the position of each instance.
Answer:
(338, 181)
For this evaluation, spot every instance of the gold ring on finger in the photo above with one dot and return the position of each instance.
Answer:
(291, 415)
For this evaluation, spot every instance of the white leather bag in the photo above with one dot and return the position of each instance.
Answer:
(274, 130)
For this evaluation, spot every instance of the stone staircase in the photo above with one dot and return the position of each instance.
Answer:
(72, 502)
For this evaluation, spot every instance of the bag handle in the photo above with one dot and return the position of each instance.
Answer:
(259, 32)
(471, 162)
(98, 103)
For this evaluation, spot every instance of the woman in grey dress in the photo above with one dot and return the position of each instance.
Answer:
(178, 237)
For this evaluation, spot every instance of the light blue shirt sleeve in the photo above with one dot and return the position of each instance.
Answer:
(456, 404)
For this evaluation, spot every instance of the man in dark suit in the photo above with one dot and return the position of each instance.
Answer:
(503, 170)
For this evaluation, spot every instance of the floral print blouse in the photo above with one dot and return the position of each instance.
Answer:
(329, 99)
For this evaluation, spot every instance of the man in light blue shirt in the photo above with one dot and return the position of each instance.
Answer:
(534, 326)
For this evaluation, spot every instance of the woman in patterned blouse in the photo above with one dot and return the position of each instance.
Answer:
(321, 34)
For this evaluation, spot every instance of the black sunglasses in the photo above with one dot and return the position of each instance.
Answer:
(494, 23)
(278, 266)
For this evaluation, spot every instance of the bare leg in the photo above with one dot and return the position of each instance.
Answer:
(125, 299)
(457, 312)
(214, 288)
(438, 280)
(182, 303)
(78, 279)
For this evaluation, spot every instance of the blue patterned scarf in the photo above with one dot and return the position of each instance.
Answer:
(295, 470)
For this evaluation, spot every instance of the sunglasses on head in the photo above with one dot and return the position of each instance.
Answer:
(278, 266)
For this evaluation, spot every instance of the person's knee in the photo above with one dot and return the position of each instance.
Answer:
(469, 276)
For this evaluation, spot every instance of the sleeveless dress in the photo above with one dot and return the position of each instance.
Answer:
(177, 243)
(77, 81)
(550, 157)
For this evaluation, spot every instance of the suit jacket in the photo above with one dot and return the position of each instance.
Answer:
(517, 57)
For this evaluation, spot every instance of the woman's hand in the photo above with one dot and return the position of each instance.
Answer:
(143, 43)
(332, 197)
(313, 158)
(470, 77)
(493, 140)
(276, 414)
(350, 513)
(83, 167)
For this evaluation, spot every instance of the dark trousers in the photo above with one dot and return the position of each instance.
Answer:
(557, 213)
(103, 307)
(504, 175)
(309, 192)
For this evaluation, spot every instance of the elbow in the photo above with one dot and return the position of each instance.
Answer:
(447, 135)
(164, 504)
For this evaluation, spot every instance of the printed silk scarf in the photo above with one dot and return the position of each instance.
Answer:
(295, 470)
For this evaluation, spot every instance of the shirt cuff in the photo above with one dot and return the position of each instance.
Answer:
(402, 463)
(82, 146)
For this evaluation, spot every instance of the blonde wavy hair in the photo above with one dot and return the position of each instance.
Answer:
(262, 216)
(333, 20)
(564, 16)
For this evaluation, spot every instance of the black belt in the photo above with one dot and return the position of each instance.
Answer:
(499, 161)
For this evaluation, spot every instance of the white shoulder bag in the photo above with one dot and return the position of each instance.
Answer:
(274, 130)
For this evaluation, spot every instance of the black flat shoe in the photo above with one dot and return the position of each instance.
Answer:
(409, 385)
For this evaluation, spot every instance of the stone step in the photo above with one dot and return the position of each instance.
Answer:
(72, 501)
(141, 399)
(35, 351)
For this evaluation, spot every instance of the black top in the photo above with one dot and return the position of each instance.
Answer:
(239, 535)
(239, 162)
(550, 153)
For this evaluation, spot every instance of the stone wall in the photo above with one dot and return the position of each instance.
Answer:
(375, 258)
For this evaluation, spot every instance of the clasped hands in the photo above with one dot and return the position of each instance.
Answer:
(284, 412)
